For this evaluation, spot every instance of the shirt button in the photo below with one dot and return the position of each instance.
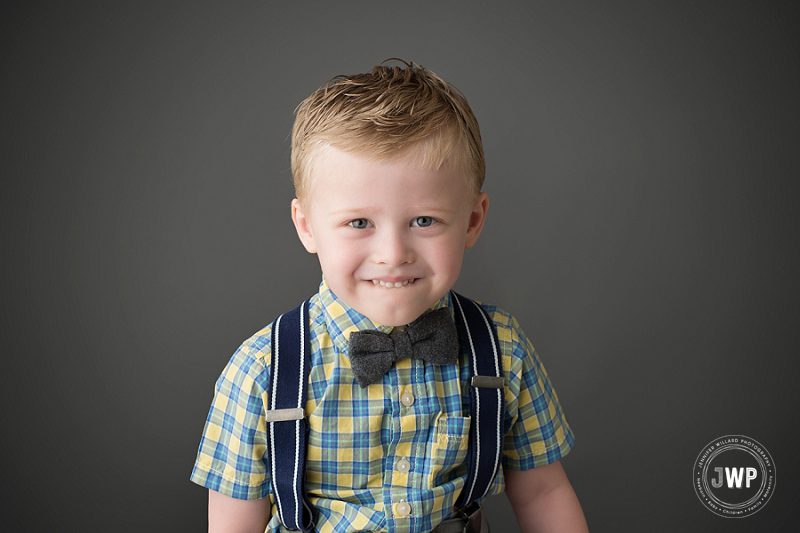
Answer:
(407, 399)
(403, 465)
(403, 509)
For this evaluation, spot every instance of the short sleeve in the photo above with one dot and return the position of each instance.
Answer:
(231, 458)
(538, 433)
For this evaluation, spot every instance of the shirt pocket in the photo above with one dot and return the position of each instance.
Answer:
(450, 447)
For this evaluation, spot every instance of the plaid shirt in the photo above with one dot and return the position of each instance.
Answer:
(404, 439)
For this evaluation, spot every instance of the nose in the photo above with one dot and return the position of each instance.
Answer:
(392, 248)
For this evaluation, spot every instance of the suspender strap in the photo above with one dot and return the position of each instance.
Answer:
(286, 426)
(486, 398)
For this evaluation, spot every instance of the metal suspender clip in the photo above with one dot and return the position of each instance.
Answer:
(488, 382)
(282, 415)
(472, 515)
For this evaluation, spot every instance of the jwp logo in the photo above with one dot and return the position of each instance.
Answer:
(734, 476)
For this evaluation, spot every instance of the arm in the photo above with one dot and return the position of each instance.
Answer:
(543, 500)
(229, 515)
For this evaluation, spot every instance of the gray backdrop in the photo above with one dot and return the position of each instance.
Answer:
(643, 174)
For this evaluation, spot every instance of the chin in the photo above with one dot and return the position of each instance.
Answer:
(393, 317)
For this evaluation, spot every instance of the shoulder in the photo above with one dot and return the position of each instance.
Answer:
(254, 355)
(509, 332)
(519, 357)
(511, 339)
(257, 348)
(502, 319)
(248, 367)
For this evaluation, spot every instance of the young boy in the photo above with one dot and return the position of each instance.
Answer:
(388, 168)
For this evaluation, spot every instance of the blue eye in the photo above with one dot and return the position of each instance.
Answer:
(422, 222)
(359, 223)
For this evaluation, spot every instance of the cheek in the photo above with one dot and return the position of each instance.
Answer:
(446, 256)
(339, 258)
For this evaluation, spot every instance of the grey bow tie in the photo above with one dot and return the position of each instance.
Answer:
(431, 337)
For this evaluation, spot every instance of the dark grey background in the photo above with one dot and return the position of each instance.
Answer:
(643, 171)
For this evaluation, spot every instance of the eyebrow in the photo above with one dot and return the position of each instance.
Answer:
(421, 209)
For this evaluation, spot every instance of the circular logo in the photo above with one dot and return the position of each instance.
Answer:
(734, 476)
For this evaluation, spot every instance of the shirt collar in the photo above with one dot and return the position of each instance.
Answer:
(341, 319)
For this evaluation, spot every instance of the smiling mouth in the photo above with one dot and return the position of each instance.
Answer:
(393, 284)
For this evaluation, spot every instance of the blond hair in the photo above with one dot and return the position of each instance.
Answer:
(381, 114)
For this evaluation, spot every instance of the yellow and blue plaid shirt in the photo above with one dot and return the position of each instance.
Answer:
(402, 440)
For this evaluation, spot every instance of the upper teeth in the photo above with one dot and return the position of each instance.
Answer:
(392, 284)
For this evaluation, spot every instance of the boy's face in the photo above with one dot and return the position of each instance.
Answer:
(389, 235)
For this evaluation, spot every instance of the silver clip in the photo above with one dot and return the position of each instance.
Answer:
(282, 415)
(487, 382)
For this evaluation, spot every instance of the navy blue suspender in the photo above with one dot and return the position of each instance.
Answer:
(486, 398)
(286, 425)
(287, 428)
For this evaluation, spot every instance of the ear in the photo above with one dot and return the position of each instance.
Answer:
(303, 227)
(476, 218)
